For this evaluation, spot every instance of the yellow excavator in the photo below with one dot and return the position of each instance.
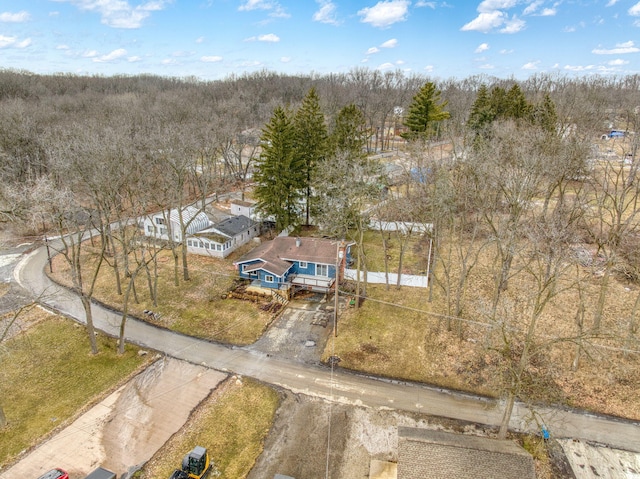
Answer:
(195, 465)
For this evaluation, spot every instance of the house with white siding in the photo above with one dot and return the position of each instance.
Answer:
(203, 236)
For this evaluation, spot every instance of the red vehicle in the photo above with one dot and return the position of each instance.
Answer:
(55, 474)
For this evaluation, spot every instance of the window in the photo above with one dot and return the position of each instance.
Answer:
(322, 270)
(268, 278)
(189, 243)
(218, 247)
(159, 221)
(163, 230)
(303, 265)
(149, 229)
(206, 246)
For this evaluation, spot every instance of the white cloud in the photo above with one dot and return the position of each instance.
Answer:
(386, 13)
(579, 68)
(548, 12)
(274, 7)
(18, 17)
(285, 59)
(485, 22)
(90, 54)
(118, 13)
(532, 8)
(513, 26)
(620, 49)
(134, 59)
(200, 40)
(618, 62)
(491, 16)
(326, 13)
(169, 61)
(488, 6)
(62, 47)
(373, 50)
(504, 51)
(531, 65)
(13, 42)
(386, 66)
(611, 3)
(110, 57)
(211, 59)
(423, 3)
(483, 47)
(256, 5)
(487, 66)
(429, 68)
(390, 43)
(635, 10)
(269, 37)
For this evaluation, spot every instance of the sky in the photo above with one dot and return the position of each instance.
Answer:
(213, 39)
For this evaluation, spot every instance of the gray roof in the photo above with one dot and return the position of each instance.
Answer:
(234, 225)
(429, 454)
(227, 228)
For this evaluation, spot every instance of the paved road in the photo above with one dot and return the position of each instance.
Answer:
(313, 380)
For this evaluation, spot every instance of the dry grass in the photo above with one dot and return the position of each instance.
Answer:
(49, 360)
(402, 334)
(194, 307)
(232, 424)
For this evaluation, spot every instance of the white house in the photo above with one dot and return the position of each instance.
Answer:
(165, 223)
(202, 235)
(222, 238)
(243, 208)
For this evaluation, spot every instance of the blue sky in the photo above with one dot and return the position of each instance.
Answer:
(211, 39)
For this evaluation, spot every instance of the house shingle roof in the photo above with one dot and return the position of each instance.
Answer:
(428, 454)
(279, 254)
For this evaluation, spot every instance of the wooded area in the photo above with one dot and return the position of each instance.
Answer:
(515, 177)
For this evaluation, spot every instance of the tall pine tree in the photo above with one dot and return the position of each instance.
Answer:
(280, 175)
(425, 113)
(310, 142)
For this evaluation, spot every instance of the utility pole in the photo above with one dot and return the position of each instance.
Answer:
(337, 280)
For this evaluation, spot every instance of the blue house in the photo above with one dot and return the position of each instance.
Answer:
(288, 264)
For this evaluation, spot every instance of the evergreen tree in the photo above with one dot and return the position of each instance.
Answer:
(482, 114)
(425, 112)
(545, 116)
(349, 134)
(310, 142)
(499, 103)
(517, 106)
(280, 176)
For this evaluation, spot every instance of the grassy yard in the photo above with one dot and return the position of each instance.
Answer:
(232, 424)
(47, 376)
(399, 333)
(195, 307)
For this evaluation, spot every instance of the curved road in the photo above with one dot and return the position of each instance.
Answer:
(339, 385)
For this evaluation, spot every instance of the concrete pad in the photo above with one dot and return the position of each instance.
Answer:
(127, 427)
(383, 470)
(596, 462)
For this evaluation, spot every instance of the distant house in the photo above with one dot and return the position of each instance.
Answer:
(203, 237)
(429, 454)
(243, 208)
(288, 264)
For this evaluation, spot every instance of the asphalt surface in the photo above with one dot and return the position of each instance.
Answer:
(338, 385)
